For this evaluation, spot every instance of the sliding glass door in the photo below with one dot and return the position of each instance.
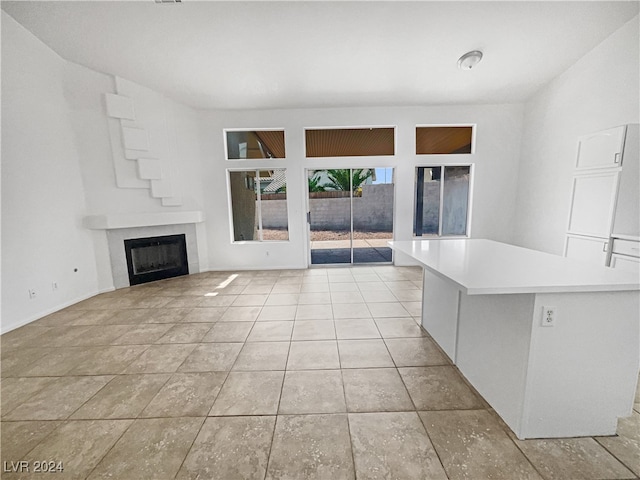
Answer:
(350, 215)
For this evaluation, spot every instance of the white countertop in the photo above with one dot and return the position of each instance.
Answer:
(480, 267)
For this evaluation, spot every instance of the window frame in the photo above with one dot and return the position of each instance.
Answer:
(473, 126)
(249, 129)
(259, 207)
(443, 165)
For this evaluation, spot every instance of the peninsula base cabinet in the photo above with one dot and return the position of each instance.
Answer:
(566, 380)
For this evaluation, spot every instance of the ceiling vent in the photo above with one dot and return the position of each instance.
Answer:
(168, 1)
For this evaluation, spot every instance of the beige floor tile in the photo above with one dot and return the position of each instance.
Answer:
(387, 309)
(238, 395)
(314, 298)
(311, 447)
(250, 300)
(204, 314)
(414, 308)
(151, 448)
(123, 397)
(78, 445)
(363, 353)
(143, 334)
(626, 445)
(62, 317)
(167, 315)
(257, 289)
(343, 311)
(59, 361)
(400, 285)
(315, 286)
(313, 330)
(472, 445)
(271, 332)
(375, 390)
(161, 358)
(128, 317)
(15, 391)
(58, 399)
(276, 299)
(186, 395)
(393, 445)
(346, 297)
(287, 288)
(415, 352)
(343, 286)
(377, 286)
(313, 355)
(277, 313)
(400, 327)
(218, 301)
(228, 332)
(211, 357)
(187, 301)
(110, 360)
(584, 458)
(240, 314)
(66, 336)
(230, 447)
(378, 296)
(356, 328)
(28, 336)
(16, 361)
(314, 312)
(186, 333)
(318, 391)
(438, 388)
(408, 295)
(19, 438)
(262, 356)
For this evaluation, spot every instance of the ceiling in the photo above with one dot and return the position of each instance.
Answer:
(254, 55)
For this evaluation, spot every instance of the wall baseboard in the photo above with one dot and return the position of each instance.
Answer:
(5, 329)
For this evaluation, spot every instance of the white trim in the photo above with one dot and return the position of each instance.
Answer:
(55, 309)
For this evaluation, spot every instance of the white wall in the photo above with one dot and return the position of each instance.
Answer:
(43, 199)
(84, 91)
(597, 92)
(498, 136)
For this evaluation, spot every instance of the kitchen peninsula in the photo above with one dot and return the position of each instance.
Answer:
(550, 342)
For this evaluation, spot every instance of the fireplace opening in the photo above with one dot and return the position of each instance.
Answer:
(155, 258)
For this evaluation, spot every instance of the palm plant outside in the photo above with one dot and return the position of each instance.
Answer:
(339, 178)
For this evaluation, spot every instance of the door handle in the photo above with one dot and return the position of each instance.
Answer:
(309, 218)
(604, 247)
(616, 158)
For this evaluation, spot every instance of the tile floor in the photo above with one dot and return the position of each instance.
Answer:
(320, 373)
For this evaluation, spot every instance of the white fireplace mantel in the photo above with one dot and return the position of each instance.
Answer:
(132, 220)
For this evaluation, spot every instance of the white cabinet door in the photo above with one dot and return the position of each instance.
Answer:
(601, 149)
(623, 262)
(587, 249)
(593, 204)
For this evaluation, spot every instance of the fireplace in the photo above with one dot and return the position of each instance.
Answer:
(155, 258)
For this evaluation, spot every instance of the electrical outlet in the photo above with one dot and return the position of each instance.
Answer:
(54, 286)
(32, 293)
(549, 316)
